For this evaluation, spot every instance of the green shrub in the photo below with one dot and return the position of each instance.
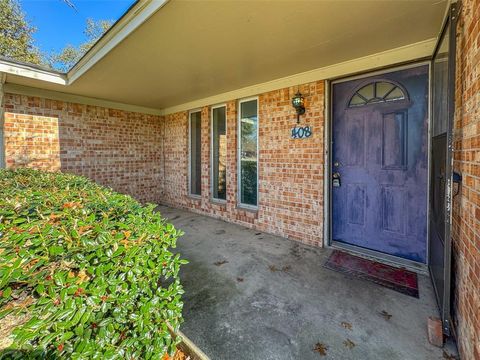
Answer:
(84, 272)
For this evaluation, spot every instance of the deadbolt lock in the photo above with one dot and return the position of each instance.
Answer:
(336, 179)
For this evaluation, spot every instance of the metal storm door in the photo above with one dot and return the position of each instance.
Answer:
(379, 163)
(443, 87)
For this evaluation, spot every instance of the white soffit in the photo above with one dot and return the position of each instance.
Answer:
(140, 13)
(392, 57)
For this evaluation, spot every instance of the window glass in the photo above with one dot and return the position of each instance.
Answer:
(219, 153)
(395, 94)
(376, 92)
(195, 153)
(248, 152)
(367, 91)
(383, 88)
(356, 100)
(440, 88)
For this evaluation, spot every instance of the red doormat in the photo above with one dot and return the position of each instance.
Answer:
(397, 279)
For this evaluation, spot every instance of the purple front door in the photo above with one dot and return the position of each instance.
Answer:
(379, 163)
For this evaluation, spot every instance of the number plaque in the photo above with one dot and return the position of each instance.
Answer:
(301, 132)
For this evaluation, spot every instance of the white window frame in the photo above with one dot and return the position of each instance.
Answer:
(239, 147)
(214, 199)
(194, 111)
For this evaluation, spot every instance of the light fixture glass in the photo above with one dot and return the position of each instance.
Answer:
(298, 102)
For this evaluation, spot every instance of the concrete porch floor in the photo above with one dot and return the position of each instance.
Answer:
(250, 295)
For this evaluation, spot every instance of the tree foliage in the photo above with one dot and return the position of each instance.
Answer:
(70, 54)
(17, 41)
(16, 34)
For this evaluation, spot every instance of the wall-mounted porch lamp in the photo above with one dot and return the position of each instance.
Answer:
(298, 103)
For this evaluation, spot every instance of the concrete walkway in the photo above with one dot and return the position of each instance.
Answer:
(249, 295)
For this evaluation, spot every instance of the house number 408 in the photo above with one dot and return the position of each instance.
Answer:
(301, 132)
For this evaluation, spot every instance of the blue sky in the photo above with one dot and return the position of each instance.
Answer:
(57, 24)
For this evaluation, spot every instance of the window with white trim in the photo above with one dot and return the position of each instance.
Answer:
(248, 152)
(195, 153)
(219, 153)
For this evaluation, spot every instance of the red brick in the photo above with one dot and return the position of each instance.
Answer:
(466, 207)
(119, 150)
(290, 171)
(435, 331)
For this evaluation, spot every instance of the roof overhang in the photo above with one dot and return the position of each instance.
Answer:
(174, 55)
(32, 72)
(140, 12)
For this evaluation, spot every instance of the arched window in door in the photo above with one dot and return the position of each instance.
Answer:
(377, 92)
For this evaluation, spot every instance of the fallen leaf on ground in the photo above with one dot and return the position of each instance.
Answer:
(273, 268)
(448, 356)
(346, 325)
(219, 263)
(349, 344)
(386, 315)
(321, 349)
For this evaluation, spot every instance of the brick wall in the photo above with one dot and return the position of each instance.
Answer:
(112, 147)
(290, 171)
(466, 211)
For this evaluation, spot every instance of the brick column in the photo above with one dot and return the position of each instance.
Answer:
(231, 157)
(205, 157)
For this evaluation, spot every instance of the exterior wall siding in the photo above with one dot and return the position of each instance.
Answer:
(466, 206)
(115, 148)
(291, 171)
